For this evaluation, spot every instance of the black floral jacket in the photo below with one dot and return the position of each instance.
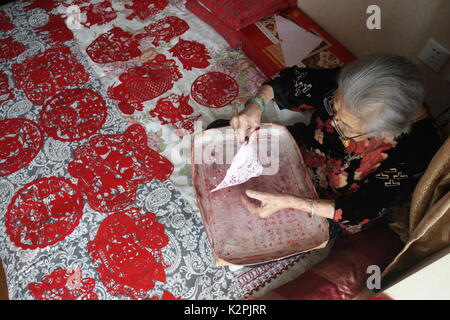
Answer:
(364, 177)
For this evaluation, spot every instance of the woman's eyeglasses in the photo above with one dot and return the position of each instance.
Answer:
(328, 103)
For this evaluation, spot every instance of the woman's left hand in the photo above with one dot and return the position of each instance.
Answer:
(270, 202)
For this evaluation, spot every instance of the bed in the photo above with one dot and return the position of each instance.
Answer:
(98, 103)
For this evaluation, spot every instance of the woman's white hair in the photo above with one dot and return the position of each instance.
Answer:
(385, 91)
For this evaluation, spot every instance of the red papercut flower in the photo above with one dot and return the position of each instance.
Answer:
(214, 90)
(110, 168)
(191, 54)
(43, 212)
(128, 246)
(20, 141)
(56, 29)
(64, 285)
(73, 114)
(47, 73)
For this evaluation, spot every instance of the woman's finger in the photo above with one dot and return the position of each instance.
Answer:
(242, 129)
(258, 195)
(253, 208)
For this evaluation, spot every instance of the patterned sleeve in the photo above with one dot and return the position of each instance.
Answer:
(298, 88)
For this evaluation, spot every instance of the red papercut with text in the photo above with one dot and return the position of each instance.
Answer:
(112, 46)
(214, 89)
(47, 5)
(164, 30)
(56, 30)
(73, 114)
(64, 285)
(110, 168)
(10, 49)
(191, 54)
(5, 22)
(145, 8)
(43, 212)
(99, 14)
(47, 73)
(175, 110)
(6, 92)
(20, 141)
(146, 82)
(128, 248)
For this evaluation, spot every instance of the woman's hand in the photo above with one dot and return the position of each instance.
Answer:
(270, 202)
(273, 202)
(246, 121)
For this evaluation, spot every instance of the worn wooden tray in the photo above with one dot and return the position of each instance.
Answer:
(237, 236)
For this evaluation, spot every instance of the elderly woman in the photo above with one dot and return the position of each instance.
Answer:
(368, 140)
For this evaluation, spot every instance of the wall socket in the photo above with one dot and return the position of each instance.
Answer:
(434, 55)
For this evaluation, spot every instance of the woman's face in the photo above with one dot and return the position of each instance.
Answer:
(348, 123)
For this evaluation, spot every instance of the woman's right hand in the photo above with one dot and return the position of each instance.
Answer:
(246, 121)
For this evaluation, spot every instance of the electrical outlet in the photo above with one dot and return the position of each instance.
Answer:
(434, 55)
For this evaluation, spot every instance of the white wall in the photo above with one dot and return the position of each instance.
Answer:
(406, 25)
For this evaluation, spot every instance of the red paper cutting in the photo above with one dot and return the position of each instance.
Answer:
(128, 246)
(110, 168)
(64, 285)
(145, 82)
(5, 91)
(214, 89)
(114, 45)
(166, 296)
(20, 141)
(165, 29)
(10, 49)
(145, 8)
(73, 114)
(179, 117)
(99, 14)
(47, 73)
(191, 54)
(5, 22)
(43, 212)
(47, 5)
(56, 28)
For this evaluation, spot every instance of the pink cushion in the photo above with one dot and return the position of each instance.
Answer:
(342, 275)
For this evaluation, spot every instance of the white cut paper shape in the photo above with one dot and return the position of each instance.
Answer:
(245, 165)
(296, 42)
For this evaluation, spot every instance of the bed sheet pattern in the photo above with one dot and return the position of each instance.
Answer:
(87, 207)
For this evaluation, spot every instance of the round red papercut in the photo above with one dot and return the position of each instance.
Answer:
(20, 141)
(214, 89)
(47, 73)
(43, 212)
(64, 285)
(128, 246)
(73, 114)
(110, 168)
